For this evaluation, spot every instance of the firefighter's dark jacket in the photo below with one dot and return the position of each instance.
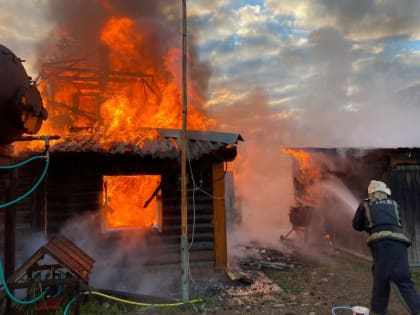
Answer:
(381, 219)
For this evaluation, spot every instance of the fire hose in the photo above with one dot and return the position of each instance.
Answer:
(340, 308)
(139, 303)
(356, 310)
(18, 199)
(35, 186)
(12, 297)
(125, 301)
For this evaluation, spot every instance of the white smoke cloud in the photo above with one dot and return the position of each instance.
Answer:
(119, 258)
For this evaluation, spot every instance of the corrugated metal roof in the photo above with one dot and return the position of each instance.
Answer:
(166, 145)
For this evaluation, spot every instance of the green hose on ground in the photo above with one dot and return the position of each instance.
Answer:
(67, 308)
(10, 295)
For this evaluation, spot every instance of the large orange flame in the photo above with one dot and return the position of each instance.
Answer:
(122, 107)
(307, 172)
(124, 96)
(125, 200)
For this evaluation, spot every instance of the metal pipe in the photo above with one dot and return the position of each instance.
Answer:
(32, 138)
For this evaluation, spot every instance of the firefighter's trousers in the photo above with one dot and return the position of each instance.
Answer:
(391, 264)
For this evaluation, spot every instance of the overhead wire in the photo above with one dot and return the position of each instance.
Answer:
(193, 204)
(194, 190)
(193, 196)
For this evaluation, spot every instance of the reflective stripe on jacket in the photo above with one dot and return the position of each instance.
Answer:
(383, 220)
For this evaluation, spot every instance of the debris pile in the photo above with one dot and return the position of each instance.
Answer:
(244, 281)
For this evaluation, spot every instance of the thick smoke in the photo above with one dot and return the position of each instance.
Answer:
(340, 103)
(263, 175)
(350, 100)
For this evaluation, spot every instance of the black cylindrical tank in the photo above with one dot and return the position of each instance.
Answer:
(21, 108)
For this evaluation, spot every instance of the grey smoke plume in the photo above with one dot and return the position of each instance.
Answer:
(349, 101)
(262, 172)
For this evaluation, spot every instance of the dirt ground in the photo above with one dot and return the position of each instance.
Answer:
(314, 285)
(309, 285)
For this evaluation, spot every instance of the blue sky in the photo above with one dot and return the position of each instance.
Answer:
(320, 72)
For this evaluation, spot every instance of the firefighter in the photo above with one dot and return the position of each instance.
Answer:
(379, 216)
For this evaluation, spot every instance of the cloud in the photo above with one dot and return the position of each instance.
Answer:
(358, 20)
(23, 27)
(337, 77)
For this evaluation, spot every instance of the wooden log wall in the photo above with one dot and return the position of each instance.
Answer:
(75, 187)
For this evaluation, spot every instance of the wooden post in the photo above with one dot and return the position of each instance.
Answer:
(10, 217)
(219, 216)
(184, 213)
(77, 302)
(10, 227)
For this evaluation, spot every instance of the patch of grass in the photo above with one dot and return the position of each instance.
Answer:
(116, 308)
(284, 280)
(415, 276)
(94, 308)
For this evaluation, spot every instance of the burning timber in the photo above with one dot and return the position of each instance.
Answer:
(116, 191)
(74, 190)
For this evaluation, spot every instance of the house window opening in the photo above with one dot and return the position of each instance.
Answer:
(132, 202)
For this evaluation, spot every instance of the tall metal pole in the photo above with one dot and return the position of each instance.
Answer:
(184, 213)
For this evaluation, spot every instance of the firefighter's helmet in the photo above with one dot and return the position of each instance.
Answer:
(376, 185)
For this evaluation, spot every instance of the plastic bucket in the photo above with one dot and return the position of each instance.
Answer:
(360, 310)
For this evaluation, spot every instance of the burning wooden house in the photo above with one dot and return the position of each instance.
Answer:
(118, 112)
(331, 182)
(136, 187)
